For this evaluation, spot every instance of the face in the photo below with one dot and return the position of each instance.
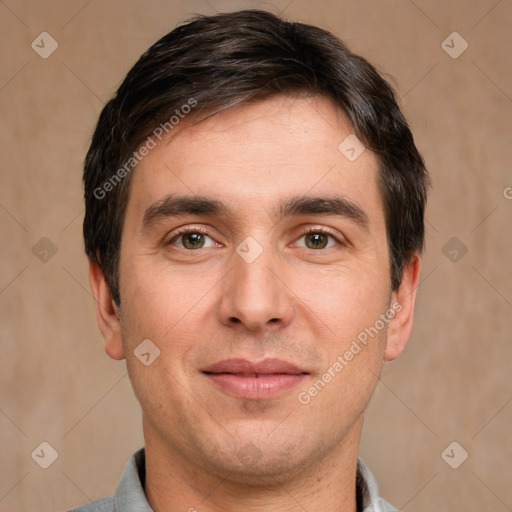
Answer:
(254, 257)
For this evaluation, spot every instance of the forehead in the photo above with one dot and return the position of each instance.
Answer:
(251, 155)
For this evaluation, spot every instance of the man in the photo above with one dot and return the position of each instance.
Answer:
(254, 220)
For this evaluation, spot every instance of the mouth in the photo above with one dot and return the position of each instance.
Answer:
(248, 380)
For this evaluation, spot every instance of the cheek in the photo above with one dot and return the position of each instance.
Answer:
(163, 307)
(173, 310)
(352, 347)
(161, 301)
(345, 301)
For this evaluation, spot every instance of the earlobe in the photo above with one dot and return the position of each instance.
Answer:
(403, 299)
(107, 313)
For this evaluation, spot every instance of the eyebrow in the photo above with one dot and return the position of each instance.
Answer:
(336, 205)
(174, 206)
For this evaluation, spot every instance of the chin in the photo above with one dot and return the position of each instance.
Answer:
(260, 461)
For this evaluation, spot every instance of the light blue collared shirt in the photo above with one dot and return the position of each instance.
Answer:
(130, 497)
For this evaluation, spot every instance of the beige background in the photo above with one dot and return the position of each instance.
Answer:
(454, 381)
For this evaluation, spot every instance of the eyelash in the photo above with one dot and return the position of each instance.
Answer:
(323, 231)
(199, 229)
(184, 231)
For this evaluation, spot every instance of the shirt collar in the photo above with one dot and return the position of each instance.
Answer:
(372, 502)
(129, 496)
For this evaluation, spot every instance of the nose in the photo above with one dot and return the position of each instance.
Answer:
(255, 295)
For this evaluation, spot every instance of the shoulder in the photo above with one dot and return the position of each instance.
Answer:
(129, 494)
(101, 505)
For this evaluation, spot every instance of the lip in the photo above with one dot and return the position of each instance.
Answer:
(249, 380)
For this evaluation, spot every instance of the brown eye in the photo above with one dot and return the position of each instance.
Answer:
(193, 240)
(316, 240)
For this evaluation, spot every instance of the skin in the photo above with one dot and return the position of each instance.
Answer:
(300, 304)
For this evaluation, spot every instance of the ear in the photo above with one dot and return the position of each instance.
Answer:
(107, 313)
(402, 302)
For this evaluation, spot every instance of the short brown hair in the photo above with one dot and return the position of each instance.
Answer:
(226, 60)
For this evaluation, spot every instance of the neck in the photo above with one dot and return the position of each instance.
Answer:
(173, 483)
